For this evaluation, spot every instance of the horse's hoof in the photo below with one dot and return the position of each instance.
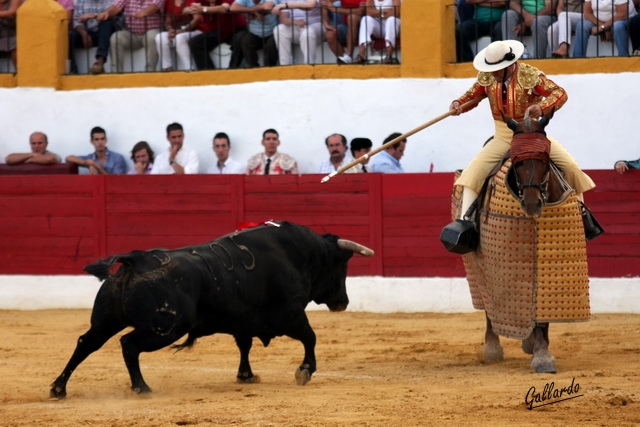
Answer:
(492, 353)
(303, 376)
(544, 366)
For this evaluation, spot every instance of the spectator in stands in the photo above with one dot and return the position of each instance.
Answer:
(39, 154)
(634, 34)
(271, 162)
(464, 10)
(388, 160)
(485, 22)
(360, 147)
(382, 20)
(259, 36)
(559, 34)
(602, 18)
(337, 147)
(301, 24)
(8, 9)
(536, 15)
(178, 159)
(143, 21)
(68, 7)
(621, 166)
(102, 161)
(341, 24)
(142, 156)
(88, 32)
(180, 28)
(224, 164)
(221, 27)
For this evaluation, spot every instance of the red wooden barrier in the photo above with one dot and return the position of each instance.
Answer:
(35, 169)
(57, 224)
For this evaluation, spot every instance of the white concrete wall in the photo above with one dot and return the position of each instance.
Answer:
(372, 294)
(597, 125)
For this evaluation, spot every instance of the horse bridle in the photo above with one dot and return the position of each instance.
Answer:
(541, 187)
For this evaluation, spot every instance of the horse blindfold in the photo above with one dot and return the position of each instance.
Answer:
(527, 146)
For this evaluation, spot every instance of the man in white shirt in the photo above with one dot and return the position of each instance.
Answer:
(301, 24)
(224, 164)
(337, 146)
(177, 159)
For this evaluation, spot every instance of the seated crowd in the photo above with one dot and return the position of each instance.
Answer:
(181, 34)
(557, 28)
(179, 158)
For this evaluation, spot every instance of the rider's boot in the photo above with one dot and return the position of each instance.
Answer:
(461, 235)
(592, 227)
(468, 197)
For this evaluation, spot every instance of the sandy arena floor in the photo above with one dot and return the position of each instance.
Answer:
(373, 370)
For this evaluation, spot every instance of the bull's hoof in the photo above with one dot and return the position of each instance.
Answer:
(492, 352)
(544, 364)
(253, 379)
(57, 392)
(303, 376)
(142, 389)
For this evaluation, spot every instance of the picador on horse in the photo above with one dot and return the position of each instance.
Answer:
(508, 273)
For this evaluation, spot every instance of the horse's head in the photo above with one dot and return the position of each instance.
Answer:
(530, 158)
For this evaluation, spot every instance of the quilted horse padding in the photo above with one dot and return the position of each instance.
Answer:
(527, 271)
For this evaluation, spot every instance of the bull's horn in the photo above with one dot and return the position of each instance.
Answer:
(355, 247)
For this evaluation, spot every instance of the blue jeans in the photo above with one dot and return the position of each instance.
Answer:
(100, 39)
(335, 19)
(583, 33)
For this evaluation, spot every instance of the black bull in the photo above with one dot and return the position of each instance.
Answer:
(252, 283)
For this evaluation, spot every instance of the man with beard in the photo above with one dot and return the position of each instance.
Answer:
(337, 146)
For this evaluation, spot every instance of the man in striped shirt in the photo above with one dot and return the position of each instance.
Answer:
(143, 21)
(87, 32)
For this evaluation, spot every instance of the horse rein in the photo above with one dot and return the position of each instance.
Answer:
(541, 187)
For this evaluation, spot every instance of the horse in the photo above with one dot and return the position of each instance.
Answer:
(530, 266)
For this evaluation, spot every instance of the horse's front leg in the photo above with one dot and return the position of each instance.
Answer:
(527, 343)
(542, 360)
(492, 350)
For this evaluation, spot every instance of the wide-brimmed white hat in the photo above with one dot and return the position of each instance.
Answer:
(498, 55)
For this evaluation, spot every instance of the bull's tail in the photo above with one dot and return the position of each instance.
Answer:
(188, 343)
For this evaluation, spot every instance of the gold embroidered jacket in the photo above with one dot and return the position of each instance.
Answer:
(527, 86)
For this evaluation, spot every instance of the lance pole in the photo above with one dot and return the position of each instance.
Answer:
(398, 139)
